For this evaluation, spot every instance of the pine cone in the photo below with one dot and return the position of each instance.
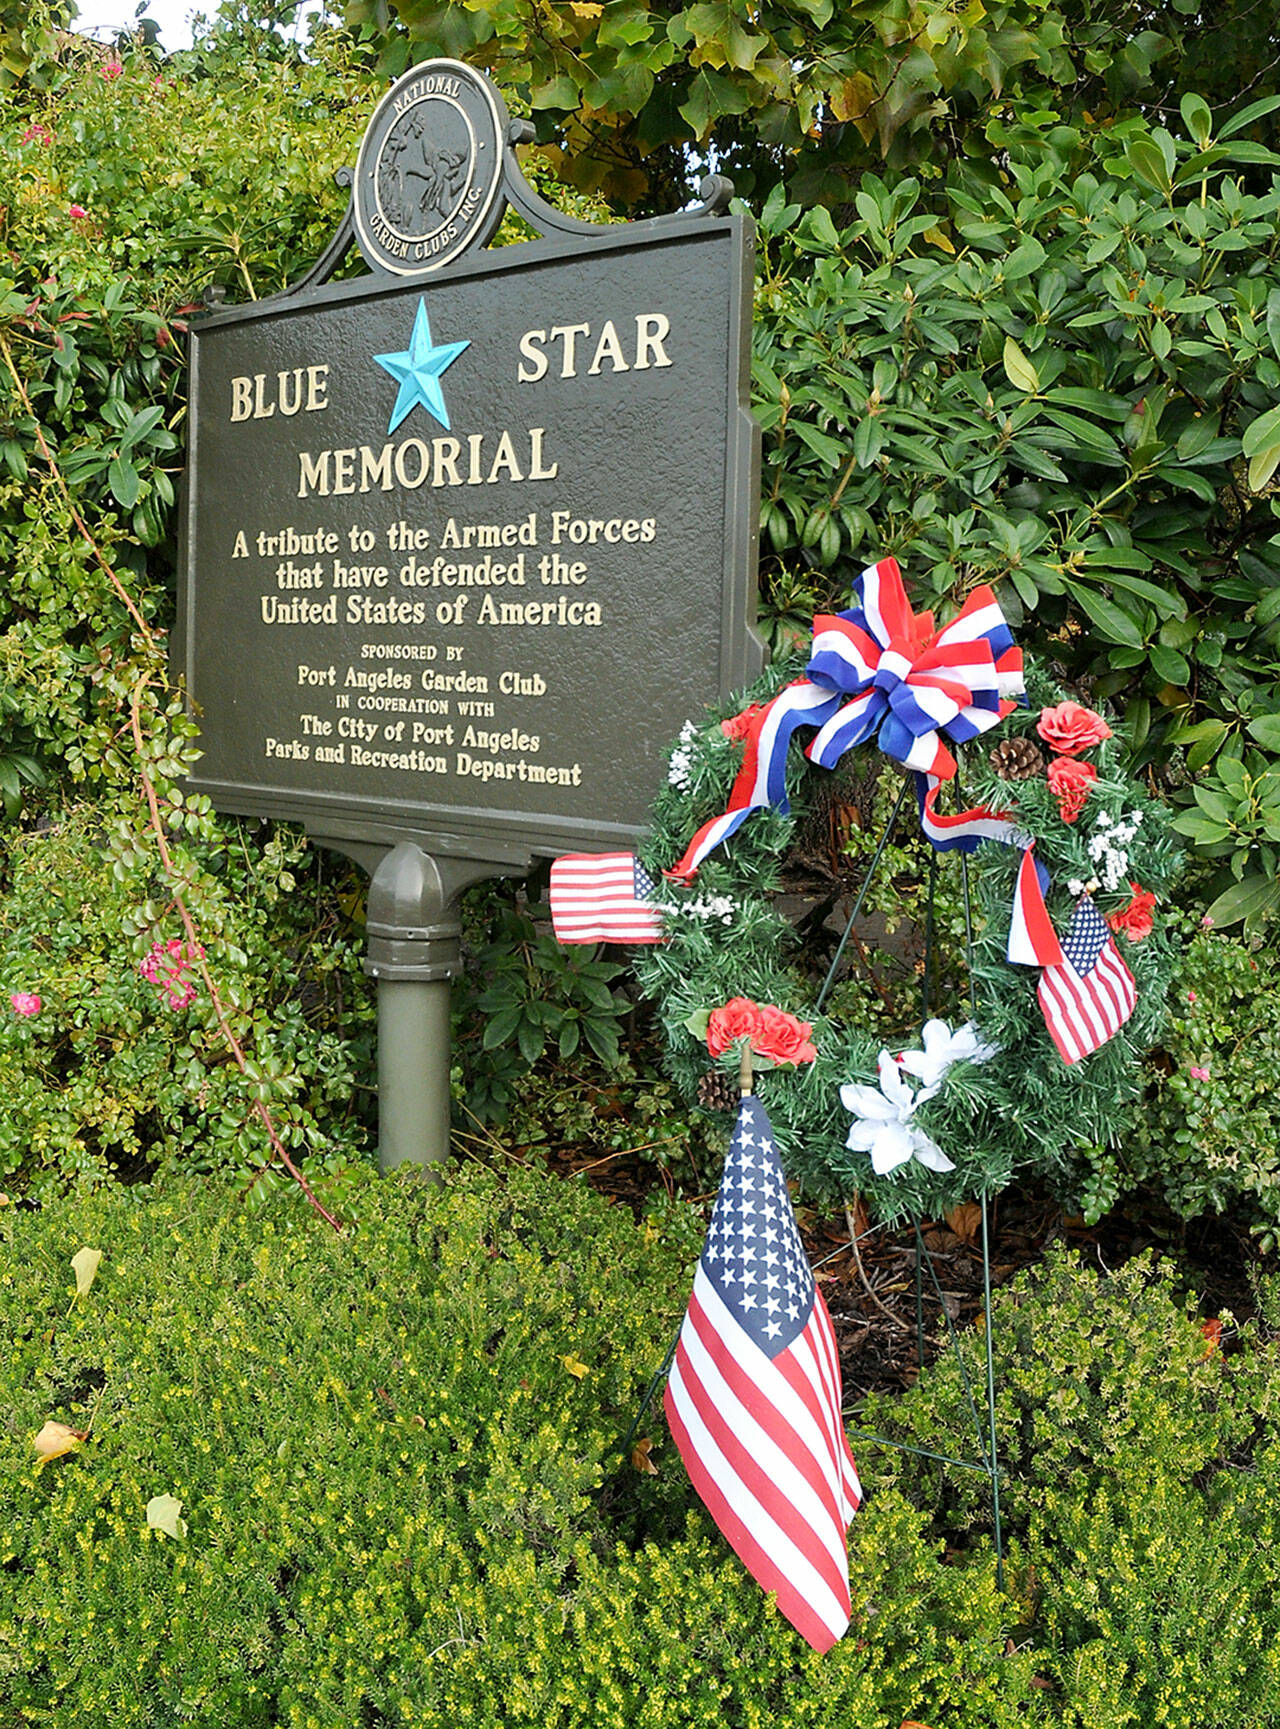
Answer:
(1017, 759)
(718, 1091)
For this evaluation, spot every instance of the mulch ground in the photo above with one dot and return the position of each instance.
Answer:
(871, 1293)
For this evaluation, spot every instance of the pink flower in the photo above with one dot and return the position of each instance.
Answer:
(111, 69)
(77, 213)
(1070, 728)
(1069, 781)
(1191, 996)
(782, 1038)
(36, 134)
(24, 1003)
(738, 1019)
(1198, 1074)
(1135, 920)
(739, 725)
(167, 966)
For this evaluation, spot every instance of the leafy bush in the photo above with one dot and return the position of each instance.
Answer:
(396, 1454)
(1208, 1133)
(1140, 1469)
(118, 1073)
(1057, 376)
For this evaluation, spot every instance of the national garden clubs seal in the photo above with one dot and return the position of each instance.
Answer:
(429, 169)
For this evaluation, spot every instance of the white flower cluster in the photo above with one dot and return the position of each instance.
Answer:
(705, 908)
(680, 768)
(1107, 850)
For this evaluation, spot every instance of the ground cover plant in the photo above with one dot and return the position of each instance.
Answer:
(378, 1478)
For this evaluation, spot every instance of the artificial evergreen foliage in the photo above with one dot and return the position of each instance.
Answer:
(1023, 1109)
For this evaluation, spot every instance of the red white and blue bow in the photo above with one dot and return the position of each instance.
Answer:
(880, 669)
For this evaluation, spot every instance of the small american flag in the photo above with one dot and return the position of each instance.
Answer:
(1091, 994)
(604, 898)
(754, 1395)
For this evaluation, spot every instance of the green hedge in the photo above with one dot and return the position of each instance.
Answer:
(404, 1508)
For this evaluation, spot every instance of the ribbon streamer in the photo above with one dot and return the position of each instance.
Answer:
(880, 669)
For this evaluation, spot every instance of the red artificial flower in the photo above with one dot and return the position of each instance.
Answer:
(738, 1019)
(739, 725)
(1070, 782)
(1070, 728)
(771, 1032)
(1135, 920)
(782, 1038)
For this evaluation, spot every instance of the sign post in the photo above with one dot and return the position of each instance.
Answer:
(467, 538)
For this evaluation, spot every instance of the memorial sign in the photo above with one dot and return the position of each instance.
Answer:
(468, 538)
(464, 549)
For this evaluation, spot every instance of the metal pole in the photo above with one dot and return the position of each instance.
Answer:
(991, 1397)
(413, 1073)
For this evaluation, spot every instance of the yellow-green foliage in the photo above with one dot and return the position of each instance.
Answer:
(402, 1508)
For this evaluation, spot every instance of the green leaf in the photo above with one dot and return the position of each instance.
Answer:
(1197, 117)
(1115, 624)
(1266, 729)
(124, 481)
(1147, 161)
(558, 92)
(1170, 665)
(1021, 374)
(1246, 899)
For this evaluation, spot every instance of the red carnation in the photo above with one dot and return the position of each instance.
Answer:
(739, 725)
(1070, 728)
(1135, 920)
(782, 1038)
(1070, 782)
(738, 1019)
(771, 1032)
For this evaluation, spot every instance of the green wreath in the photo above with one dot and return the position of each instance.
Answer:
(1006, 1100)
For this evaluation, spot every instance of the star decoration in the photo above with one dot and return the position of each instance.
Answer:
(418, 371)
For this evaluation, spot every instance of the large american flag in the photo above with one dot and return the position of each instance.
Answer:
(604, 898)
(1091, 994)
(754, 1394)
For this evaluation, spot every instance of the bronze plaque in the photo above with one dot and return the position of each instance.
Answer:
(463, 554)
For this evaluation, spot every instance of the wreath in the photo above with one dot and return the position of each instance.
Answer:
(1068, 858)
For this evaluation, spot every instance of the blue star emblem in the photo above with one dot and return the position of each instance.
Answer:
(418, 370)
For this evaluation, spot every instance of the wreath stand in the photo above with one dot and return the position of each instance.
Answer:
(984, 1423)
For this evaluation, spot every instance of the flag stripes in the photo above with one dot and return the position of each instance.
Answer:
(1091, 994)
(762, 1461)
(603, 898)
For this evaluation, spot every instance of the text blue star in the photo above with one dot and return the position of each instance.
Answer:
(418, 371)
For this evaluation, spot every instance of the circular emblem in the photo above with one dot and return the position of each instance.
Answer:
(429, 168)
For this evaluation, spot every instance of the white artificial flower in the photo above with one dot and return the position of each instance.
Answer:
(942, 1047)
(882, 1122)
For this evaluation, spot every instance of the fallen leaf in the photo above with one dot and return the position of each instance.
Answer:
(910, 1723)
(4, 1200)
(640, 1457)
(1212, 1330)
(85, 1264)
(164, 1513)
(966, 1221)
(574, 1367)
(55, 1439)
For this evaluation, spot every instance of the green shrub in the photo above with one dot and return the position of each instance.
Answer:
(1208, 1134)
(1056, 373)
(115, 1072)
(403, 1506)
(1103, 1383)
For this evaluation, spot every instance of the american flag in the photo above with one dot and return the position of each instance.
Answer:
(754, 1394)
(603, 898)
(1091, 994)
